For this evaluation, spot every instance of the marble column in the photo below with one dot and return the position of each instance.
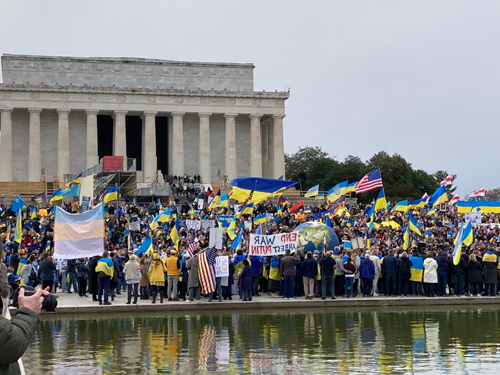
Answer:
(231, 169)
(278, 147)
(204, 158)
(92, 151)
(265, 148)
(178, 144)
(149, 165)
(62, 144)
(255, 146)
(34, 156)
(6, 169)
(120, 136)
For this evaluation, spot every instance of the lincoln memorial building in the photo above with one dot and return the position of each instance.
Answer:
(62, 115)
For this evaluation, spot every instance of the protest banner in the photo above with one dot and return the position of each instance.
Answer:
(208, 224)
(248, 224)
(473, 217)
(222, 266)
(200, 204)
(215, 238)
(276, 244)
(193, 224)
(134, 226)
(224, 222)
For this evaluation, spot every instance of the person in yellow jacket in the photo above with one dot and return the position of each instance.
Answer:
(173, 271)
(157, 270)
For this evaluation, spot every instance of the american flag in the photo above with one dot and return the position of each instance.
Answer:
(206, 270)
(371, 181)
(191, 247)
(207, 346)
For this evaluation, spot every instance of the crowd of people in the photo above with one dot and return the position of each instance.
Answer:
(369, 260)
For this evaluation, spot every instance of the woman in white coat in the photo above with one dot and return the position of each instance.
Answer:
(430, 275)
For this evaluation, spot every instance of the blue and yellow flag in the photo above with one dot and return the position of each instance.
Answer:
(419, 203)
(246, 210)
(174, 234)
(279, 210)
(223, 201)
(263, 188)
(259, 229)
(312, 192)
(18, 204)
(381, 202)
(261, 219)
(163, 217)
(237, 242)
(77, 180)
(406, 238)
(439, 196)
(401, 206)
(146, 246)
(413, 225)
(19, 227)
(351, 188)
(337, 191)
(111, 194)
(68, 192)
(232, 227)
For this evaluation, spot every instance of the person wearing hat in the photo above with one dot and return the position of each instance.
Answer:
(133, 277)
(173, 271)
(367, 273)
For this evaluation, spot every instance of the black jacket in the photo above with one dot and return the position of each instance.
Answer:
(442, 263)
(309, 268)
(327, 266)
(474, 271)
(390, 264)
(46, 270)
(405, 268)
(461, 268)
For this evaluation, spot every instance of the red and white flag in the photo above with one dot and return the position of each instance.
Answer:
(478, 193)
(191, 247)
(426, 197)
(453, 200)
(447, 181)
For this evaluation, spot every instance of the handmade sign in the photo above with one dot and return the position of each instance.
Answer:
(269, 245)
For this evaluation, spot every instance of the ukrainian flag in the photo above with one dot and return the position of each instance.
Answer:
(68, 192)
(417, 268)
(328, 221)
(491, 207)
(419, 203)
(77, 180)
(105, 265)
(351, 188)
(19, 227)
(381, 202)
(320, 196)
(413, 225)
(312, 192)
(259, 229)
(231, 229)
(406, 238)
(111, 194)
(274, 272)
(262, 188)
(237, 242)
(337, 191)
(371, 212)
(163, 217)
(439, 196)
(401, 206)
(279, 210)
(223, 201)
(146, 246)
(174, 234)
(246, 210)
(261, 219)
(463, 207)
(490, 257)
(18, 204)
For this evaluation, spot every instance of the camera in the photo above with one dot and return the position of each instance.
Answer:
(49, 303)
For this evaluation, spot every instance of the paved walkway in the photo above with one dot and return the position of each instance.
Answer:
(72, 303)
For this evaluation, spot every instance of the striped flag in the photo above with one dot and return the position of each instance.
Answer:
(371, 181)
(191, 247)
(447, 181)
(478, 193)
(206, 346)
(206, 270)
(454, 200)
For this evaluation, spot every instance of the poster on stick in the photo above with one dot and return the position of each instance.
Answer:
(222, 266)
(276, 244)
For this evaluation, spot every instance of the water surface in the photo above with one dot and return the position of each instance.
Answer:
(345, 341)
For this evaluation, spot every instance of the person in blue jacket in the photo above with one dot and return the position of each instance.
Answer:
(246, 281)
(367, 273)
(256, 264)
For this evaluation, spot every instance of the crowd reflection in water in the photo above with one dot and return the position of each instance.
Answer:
(291, 343)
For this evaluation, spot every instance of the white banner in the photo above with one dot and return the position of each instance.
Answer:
(208, 224)
(200, 204)
(222, 266)
(276, 244)
(134, 226)
(473, 217)
(215, 238)
(193, 224)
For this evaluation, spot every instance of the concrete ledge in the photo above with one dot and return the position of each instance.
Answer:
(265, 303)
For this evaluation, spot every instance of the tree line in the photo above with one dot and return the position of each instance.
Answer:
(312, 166)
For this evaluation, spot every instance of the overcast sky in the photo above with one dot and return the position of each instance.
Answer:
(419, 78)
